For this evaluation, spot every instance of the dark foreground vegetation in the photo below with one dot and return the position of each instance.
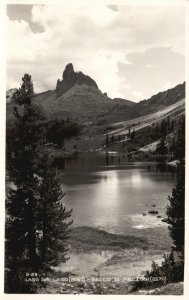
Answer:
(172, 267)
(37, 223)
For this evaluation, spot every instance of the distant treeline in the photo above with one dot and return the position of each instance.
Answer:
(55, 132)
(168, 132)
(59, 130)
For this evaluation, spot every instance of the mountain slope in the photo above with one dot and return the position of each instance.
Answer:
(76, 102)
(162, 99)
(77, 96)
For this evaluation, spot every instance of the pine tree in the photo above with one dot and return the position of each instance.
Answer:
(132, 135)
(180, 141)
(53, 221)
(36, 221)
(129, 133)
(168, 122)
(176, 208)
(21, 201)
(23, 167)
(172, 125)
(24, 94)
(161, 148)
(163, 129)
(112, 139)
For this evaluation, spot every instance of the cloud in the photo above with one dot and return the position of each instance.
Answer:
(22, 12)
(167, 71)
(98, 41)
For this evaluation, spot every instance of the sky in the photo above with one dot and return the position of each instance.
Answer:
(131, 51)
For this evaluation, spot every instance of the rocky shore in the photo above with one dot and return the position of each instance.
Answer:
(106, 263)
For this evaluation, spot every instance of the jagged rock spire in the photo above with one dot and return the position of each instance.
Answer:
(70, 78)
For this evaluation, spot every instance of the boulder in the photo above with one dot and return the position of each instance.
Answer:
(153, 212)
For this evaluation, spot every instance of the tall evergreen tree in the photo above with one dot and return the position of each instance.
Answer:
(163, 129)
(180, 140)
(24, 94)
(161, 148)
(21, 201)
(36, 221)
(53, 221)
(176, 208)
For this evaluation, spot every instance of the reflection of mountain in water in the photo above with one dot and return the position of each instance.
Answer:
(101, 160)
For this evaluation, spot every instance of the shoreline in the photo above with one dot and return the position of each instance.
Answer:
(58, 155)
(108, 266)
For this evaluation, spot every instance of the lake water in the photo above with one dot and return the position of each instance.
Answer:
(110, 193)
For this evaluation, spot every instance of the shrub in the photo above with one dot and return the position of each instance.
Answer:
(171, 270)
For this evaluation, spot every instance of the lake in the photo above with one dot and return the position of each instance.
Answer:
(108, 192)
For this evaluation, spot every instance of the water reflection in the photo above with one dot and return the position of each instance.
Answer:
(101, 160)
(136, 179)
(107, 158)
(108, 197)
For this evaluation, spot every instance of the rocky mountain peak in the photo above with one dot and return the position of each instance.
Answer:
(70, 78)
(69, 74)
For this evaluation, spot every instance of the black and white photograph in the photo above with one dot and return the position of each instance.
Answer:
(95, 148)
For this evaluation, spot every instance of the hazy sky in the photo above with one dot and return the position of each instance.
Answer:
(131, 52)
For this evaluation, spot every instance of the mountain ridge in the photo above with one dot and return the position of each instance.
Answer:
(77, 96)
